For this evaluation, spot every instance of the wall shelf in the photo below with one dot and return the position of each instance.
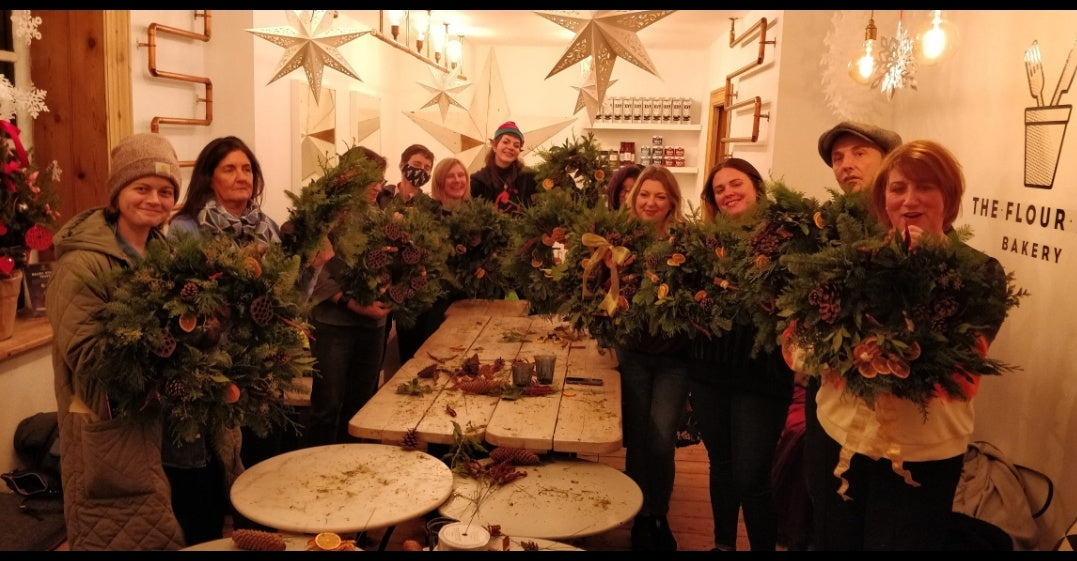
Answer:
(684, 170)
(604, 126)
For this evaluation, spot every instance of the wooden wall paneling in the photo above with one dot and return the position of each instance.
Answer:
(69, 64)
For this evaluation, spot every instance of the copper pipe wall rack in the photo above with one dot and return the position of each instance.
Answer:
(761, 26)
(154, 28)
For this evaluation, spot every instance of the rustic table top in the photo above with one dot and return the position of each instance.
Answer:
(572, 418)
(341, 488)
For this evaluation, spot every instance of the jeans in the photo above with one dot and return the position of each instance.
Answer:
(348, 372)
(740, 430)
(654, 391)
(885, 513)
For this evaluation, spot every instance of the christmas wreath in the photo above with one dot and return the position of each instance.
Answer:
(537, 249)
(202, 334)
(479, 237)
(578, 166)
(783, 223)
(319, 206)
(396, 255)
(687, 287)
(846, 218)
(604, 272)
(890, 319)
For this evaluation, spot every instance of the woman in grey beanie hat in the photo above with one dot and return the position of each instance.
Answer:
(111, 467)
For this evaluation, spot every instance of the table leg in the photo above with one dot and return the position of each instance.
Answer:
(385, 538)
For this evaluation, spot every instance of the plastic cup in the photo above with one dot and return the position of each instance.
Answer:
(521, 373)
(544, 365)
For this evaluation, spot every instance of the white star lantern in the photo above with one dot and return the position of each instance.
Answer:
(311, 43)
(590, 96)
(605, 36)
(443, 87)
(468, 135)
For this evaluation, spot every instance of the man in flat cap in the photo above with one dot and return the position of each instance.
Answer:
(854, 151)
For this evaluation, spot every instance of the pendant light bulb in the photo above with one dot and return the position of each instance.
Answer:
(864, 63)
(936, 40)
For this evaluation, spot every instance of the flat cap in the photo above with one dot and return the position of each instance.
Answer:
(885, 139)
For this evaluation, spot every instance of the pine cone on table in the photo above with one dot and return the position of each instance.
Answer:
(258, 540)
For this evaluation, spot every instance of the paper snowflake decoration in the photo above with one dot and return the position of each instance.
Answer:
(25, 25)
(13, 100)
(898, 62)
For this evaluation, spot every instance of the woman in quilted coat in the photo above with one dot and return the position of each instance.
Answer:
(116, 496)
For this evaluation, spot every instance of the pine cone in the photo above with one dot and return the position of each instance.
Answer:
(711, 242)
(167, 346)
(376, 258)
(827, 298)
(411, 255)
(411, 439)
(189, 292)
(258, 540)
(261, 310)
(398, 293)
(515, 456)
(175, 388)
(394, 231)
(418, 282)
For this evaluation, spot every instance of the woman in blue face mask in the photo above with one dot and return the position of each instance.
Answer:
(415, 164)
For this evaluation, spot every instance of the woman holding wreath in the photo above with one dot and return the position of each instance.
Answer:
(654, 382)
(902, 457)
(739, 400)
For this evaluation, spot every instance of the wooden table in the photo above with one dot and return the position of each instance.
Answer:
(574, 418)
(561, 499)
(342, 488)
(292, 542)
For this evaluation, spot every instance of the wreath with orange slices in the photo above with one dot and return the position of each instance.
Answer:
(203, 334)
(891, 318)
(537, 249)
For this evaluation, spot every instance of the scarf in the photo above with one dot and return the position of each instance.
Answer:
(253, 226)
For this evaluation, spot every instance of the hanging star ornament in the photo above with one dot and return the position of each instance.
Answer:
(468, 135)
(605, 36)
(443, 87)
(590, 95)
(311, 43)
(899, 63)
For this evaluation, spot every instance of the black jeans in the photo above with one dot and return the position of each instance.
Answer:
(348, 371)
(740, 430)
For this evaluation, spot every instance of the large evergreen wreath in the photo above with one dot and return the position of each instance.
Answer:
(784, 223)
(603, 271)
(395, 255)
(578, 166)
(537, 249)
(688, 288)
(895, 320)
(479, 237)
(320, 205)
(202, 334)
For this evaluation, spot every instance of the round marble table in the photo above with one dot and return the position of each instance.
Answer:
(341, 488)
(292, 542)
(562, 499)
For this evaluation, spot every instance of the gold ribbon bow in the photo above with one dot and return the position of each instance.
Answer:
(602, 251)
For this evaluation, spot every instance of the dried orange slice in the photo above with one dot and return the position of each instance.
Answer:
(327, 540)
(188, 322)
(231, 394)
(252, 266)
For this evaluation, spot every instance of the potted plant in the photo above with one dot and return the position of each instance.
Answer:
(27, 216)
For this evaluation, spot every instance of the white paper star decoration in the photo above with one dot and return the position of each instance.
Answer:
(467, 135)
(590, 95)
(899, 63)
(443, 87)
(606, 35)
(311, 43)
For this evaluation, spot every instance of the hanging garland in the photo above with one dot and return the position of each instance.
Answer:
(578, 166)
(479, 236)
(537, 249)
(395, 255)
(203, 334)
(894, 320)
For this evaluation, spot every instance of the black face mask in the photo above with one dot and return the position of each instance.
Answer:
(417, 176)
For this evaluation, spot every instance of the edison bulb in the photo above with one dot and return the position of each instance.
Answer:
(864, 63)
(936, 40)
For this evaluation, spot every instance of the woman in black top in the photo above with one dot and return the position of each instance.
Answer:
(505, 179)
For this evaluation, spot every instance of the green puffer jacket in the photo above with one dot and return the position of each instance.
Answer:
(116, 494)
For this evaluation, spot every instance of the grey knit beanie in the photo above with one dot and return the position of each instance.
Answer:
(140, 155)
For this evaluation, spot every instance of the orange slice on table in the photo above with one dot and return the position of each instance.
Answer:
(327, 540)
